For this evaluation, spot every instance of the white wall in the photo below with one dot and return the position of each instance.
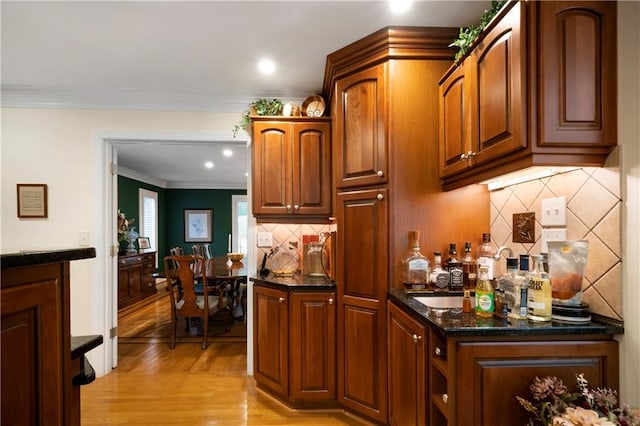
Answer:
(629, 138)
(62, 148)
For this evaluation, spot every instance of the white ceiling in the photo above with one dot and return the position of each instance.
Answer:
(186, 56)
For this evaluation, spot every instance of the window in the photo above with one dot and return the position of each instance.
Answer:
(239, 214)
(149, 217)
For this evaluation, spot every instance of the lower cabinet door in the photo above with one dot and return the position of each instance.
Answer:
(271, 341)
(313, 347)
(407, 369)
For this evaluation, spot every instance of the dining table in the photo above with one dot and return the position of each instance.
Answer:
(231, 277)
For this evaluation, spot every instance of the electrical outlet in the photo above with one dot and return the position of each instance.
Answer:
(552, 234)
(554, 211)
(265, 239)
(83, 238)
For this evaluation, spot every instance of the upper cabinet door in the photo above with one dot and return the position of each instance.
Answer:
(455, 132)
(577, 56)
(312, 168)
(271, 168)
(360, 131)
(498, 89)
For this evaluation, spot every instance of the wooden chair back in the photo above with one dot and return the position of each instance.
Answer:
(203, 250)
(185, 273)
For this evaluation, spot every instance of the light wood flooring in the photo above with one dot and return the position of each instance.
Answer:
(154, 385)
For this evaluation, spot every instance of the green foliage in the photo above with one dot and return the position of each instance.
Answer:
(469, 34)
(260, 107)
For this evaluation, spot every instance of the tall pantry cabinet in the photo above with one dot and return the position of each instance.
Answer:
(383, 92)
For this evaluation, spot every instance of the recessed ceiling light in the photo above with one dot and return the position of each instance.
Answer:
(208, 165)
(266, 66)
(227, 153)
(399, 6)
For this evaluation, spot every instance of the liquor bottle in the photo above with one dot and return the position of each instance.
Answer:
(416, 265)
(454, 268)
(539, 292)
(507, 284)
(439, 277)
(522, 280)
(486, 255)
(469, 269)
(484, 294)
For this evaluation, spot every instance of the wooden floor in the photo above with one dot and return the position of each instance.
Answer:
(154, 385)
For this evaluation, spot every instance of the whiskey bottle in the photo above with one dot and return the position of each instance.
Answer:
(469, 269)
(486, 255)
(416, 265)
(439, 277)
(539, 292)
(454, 268)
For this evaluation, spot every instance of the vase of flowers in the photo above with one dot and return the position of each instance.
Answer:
(554, 405)
(125, 239)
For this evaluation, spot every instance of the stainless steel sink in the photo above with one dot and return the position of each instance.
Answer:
(443, 302)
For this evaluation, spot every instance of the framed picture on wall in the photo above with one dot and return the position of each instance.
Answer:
(197, 225)
(32, 200)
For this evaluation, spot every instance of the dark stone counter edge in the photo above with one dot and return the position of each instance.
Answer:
(80, 345)
(297, 282)
(451, 328)
(30, 258)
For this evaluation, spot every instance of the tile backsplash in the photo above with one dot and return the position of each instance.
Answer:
(284, 233)
(593, 214)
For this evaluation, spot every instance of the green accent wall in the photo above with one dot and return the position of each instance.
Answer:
(171, 206)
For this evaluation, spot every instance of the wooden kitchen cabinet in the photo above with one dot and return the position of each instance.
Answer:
(291, 167)
(383, 91)
(407, 369)
(294, 345)
(537, 89)
(135, 277)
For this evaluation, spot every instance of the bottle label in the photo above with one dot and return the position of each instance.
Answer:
(455, 273)
(484, 301)
(488, 262)
(442, 280)
(418, 265)
(539, 295)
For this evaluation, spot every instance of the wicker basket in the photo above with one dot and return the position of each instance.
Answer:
(313, 106)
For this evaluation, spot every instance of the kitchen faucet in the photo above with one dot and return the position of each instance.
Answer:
(500, 250)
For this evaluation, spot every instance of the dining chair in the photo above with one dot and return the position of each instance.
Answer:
(185, 303)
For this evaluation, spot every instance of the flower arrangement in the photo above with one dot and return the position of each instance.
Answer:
(554, 405)
(123, 226)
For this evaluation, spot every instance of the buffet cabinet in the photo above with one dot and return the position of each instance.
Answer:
(443, 380)
(291, 168)
(538, 88)
(294, 345)
(135, 277)
(384, 103)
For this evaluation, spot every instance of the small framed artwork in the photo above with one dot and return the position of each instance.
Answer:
(144, 243)
(197, 225)
(32, 200)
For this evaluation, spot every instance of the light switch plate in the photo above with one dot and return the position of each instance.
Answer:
(265, 239)
(83, 238)
(552, 234)
(554, 211)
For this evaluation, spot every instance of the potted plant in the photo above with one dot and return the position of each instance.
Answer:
(469, 34)
(261, 106)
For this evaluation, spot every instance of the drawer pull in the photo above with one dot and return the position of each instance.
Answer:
(380, 197)
(417, 338)
(281, 299)
(288, 206)
(296, 207)
(445, 398)
(380, 173)
(439, 351)
(331, 301)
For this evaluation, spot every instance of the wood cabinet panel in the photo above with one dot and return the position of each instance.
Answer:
(291, 167)
(271, 339)
(32, 347)
(486, 370)
(360, 139)
(407, 350)
(313, 346)
(135, 278)
(542, 92)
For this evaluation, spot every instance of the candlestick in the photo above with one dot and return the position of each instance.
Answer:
(229, 245)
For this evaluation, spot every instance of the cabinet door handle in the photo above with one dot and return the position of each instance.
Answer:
(281, 299)
(463, 157)
(380, 173)
(445, 398)
(417, 338)
(471, 154)
(331, 301)
(296, 207)
(438, 351)
(380, 197)
(288, 206)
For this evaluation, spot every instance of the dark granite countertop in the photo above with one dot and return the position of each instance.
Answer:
(39, 257)
(458, 324)
(80, 345)
(297, 282)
